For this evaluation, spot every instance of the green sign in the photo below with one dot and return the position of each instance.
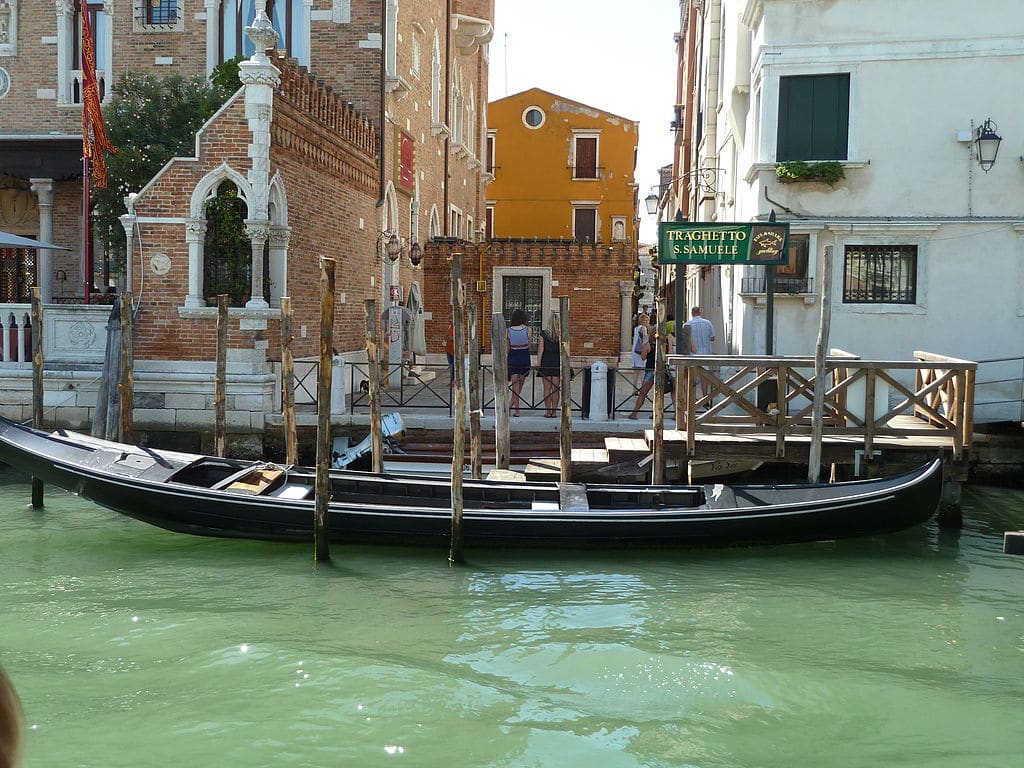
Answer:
(712, 243)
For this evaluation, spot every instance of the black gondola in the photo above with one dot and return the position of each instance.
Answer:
(231, 498)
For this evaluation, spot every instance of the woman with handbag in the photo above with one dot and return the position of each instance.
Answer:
(549, 366)
(641, 340)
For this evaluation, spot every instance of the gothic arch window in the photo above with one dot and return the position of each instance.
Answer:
(227, 251)
(457, 117)
(435, 84)
(434, 229)
(290, 19)
(103, 41)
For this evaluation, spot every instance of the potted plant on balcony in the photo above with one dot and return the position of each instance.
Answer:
(791, 171)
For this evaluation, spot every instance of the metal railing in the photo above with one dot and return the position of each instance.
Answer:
(780, 284)
(427, 387)
(999, 390)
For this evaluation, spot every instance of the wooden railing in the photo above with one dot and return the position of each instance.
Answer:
(774, 395)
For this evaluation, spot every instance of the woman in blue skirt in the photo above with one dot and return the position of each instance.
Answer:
(518, 356)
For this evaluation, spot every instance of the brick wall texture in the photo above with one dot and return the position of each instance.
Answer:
(338, 174)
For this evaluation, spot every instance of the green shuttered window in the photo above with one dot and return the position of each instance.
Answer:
(814, 117)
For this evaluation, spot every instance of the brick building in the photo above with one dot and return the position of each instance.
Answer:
(561, 220)
(365, 127)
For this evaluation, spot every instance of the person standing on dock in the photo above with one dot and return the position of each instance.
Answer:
(641, 344)
(518, 356)
(641, 396)
(449, 350)
(549, 366)
(703, 333)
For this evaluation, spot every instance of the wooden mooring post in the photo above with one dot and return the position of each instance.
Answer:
(291, 442)
(220, 379)
(565, 393)
(322, 485)
(499, 367)
(475, 405)
(126, 383)
(37, 382)
(373, 376)
(458, 409)
(820, 352)
(659, 348)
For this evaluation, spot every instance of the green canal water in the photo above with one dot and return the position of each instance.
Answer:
(131, 646)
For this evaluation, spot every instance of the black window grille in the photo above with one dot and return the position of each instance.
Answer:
(524, 292)
(880, 274)
(161, 12)
(227, 250)
(17, 274)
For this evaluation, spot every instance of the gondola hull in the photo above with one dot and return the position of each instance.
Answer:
(237, 499)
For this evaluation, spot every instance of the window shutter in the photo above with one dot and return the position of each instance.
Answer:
(585, 221)
(586, 158)
(814, 117)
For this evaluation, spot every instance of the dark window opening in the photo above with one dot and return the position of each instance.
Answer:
(17, 275)
(525, 292)
(227, 250)
(586, 158)
(160, 12)
(880, 274)
(585, 225)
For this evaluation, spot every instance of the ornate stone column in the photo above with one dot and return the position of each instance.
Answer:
(278, 255)
(259, 233)
(44, 269)
(259, 77)
(128, 224)
(65, 48)
(625, 317)
(195, 236)
(212, 26)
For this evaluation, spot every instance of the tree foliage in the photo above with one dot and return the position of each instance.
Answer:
(151, 120)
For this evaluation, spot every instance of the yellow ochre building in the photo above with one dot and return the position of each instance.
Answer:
(562, 170)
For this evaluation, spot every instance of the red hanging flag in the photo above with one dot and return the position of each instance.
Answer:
(91, 112)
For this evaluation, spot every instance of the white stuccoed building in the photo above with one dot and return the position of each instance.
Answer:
(927, 246)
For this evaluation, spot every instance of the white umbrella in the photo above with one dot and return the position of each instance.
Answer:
(15, 241)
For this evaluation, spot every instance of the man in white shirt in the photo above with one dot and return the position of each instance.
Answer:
(703, 333)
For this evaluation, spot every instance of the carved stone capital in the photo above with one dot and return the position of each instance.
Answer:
(258, 231)
(195, 231)
(280, 237)
(44, 192)
(256, 74)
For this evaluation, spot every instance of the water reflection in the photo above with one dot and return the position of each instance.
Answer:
(149, 647)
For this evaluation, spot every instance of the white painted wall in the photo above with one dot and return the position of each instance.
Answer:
(920, 72)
